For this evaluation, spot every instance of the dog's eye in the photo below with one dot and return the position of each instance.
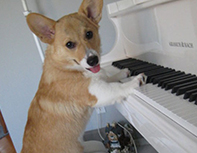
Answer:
(89, 35)
(70, 45)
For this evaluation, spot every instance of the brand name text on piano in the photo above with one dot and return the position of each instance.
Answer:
(181, 44)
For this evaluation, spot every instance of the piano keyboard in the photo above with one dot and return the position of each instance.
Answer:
(169, 79)
(172, 92)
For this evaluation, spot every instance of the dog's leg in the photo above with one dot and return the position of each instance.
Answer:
(109, 93)
(114, 78)
(119, 76)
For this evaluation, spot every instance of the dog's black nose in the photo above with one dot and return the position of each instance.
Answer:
(93, 60)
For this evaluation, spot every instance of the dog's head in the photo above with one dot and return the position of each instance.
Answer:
(74, 41)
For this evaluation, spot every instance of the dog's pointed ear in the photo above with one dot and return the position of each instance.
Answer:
(42, 26)
(92, 9)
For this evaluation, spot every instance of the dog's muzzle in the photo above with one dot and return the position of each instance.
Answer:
(93, 61)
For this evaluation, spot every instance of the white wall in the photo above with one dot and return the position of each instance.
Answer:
(20, 64)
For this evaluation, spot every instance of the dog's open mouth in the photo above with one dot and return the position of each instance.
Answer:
(95, 69)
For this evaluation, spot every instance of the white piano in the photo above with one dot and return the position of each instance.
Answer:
(162, 32)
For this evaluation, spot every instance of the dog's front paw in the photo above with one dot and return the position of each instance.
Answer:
(128, 87)
(125, 73)
(139, 80)
(134, 83)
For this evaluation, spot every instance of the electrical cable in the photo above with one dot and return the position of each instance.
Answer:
(98, 128)
(135, 148)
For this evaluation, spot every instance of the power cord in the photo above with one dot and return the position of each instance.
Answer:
(98, 128)
(135, 148)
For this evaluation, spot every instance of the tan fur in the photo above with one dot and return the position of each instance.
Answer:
(61, 107)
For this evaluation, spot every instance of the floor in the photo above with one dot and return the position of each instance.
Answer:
(142, 145)
(6, 145)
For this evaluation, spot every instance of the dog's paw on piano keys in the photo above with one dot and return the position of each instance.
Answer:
(133, 82)
(140, 79)
(143, 79)
(121, 75)
(124, 73)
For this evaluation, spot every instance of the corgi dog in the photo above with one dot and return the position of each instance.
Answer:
(71, 83)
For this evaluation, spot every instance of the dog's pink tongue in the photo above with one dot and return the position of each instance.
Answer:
(95, 69)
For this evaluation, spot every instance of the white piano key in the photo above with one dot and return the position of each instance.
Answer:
(174, 107)
(192, 120)
(167, 99)
(170, 102)
(177, 104)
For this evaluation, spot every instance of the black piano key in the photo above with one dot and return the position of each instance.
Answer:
(174, 83)
(182, 90)
(156, 80)
(179, 82)
(195, 102)
(156, 72)
(140, 66)
(134, 64)
(188, 93)
(164, 82)
(122, 66)
(160, 74)
(154, 67)
(193, 97)
(133, 70)
(177, 87)
(166, 75)
(122, 63)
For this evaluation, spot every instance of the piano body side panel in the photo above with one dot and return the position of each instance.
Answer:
(117, 51)
(161, 132)
(177, 27)
(140, 32)
(165, 34)
(169, 28)
(136, 33)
